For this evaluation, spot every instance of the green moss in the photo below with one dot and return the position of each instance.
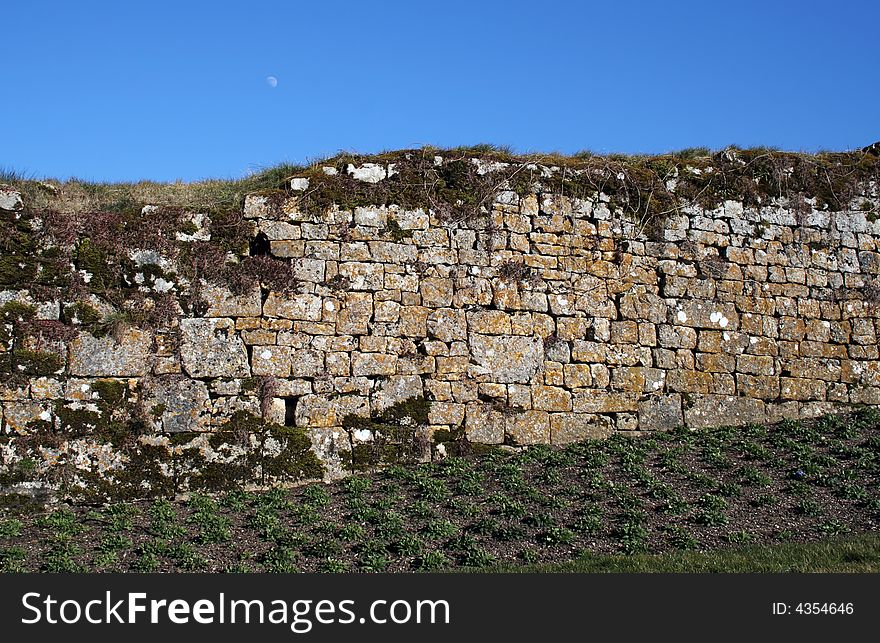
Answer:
(396, 434)
(84, 313)
(36, 363)
(111, 392)
(250, 384)
(14, 318)
(94, 260)
(22, 471)
(16, 312)
(393, 230)
(79, 420)
(188, 227)
(296, 461)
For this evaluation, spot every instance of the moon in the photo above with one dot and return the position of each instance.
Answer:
(271, 81)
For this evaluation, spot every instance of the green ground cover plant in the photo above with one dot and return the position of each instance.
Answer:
(799, 495)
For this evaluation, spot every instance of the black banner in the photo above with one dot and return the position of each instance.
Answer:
(435, 607)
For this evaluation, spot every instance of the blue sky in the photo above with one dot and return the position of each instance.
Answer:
(177, 90)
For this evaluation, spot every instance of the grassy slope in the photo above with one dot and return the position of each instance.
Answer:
(857, 553)
(803, 495)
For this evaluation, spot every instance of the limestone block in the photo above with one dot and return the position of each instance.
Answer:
(222, 303)
(414, 321)
(46, 388)
(755, 364)
(368, 172)
(259, 206)
(280, 230)
(376, 217)
(722, 410)
(316, 411)
(270, 360)
(644, 307)
(628, 378)
(553, 374)
(697, 313)
(588, 352)
(448, 413)
(392, 253)
(550, 398)
(447, 324)
(598, 401)
(688, 381)
(10, 200)
(505, 295)
(660, 412)
(287, 248)
(828, 370)
(575, 427)
(363, 276)
(387, 311)
(354, 317)
(507, 358)
(373, 364)
(484, 424)
(715, 362)
(577, 375)
(130, 356)
(436, 292)
(489, 322)
(308, 270)
(398, 388)
(305, 307)
(412, 219)
(210, 348)
(17, 415)
(757, 386)
(177, 404)
(527, 427)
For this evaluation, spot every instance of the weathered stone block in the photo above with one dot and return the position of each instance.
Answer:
(577, 375)
(177, 404)
(802, 390)
(704, 314)
(599, 401)
(628, 378)
(566, 428)
(373, 364)
(305, 307)
(722, 410)
(686, 381)
(436, 292)
(309, 363)
(527, 427)
(660, 413)
(222, 303)
(762, 387)
(393, 390)
(210, 348)
(270, 360)
(18, 415)
(129, 356)
(507, 358)
(550, 398)
(316, 411)
(447, 324)
(414, 321)
(483, 424)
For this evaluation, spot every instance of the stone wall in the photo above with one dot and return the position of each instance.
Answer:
(538, 318)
